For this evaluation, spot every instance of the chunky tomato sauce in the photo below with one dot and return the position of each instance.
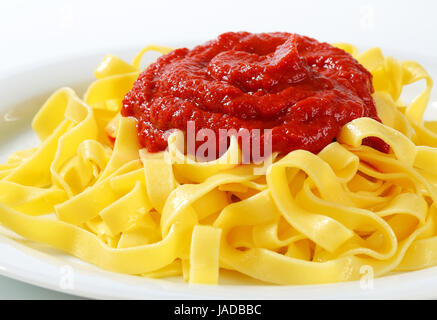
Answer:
(302, 89)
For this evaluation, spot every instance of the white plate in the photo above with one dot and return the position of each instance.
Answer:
(22, 94)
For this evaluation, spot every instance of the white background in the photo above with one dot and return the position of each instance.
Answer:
(35, 32)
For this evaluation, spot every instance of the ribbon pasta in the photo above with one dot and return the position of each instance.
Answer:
(307, 219)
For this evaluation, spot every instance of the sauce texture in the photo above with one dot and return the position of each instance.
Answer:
(302, 89)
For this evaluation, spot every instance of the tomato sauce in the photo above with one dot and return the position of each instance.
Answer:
(302, 89)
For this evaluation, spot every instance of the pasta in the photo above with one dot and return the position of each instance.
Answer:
(307, 218)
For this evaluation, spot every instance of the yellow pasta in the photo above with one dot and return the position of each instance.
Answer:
(307, 218)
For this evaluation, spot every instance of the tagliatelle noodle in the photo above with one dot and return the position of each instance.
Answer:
(304, 219)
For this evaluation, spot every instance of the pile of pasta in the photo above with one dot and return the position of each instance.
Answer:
(307, 218)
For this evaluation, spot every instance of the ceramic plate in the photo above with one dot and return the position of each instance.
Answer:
(23, 93)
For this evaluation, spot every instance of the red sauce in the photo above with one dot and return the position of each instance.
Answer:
(302, 89)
